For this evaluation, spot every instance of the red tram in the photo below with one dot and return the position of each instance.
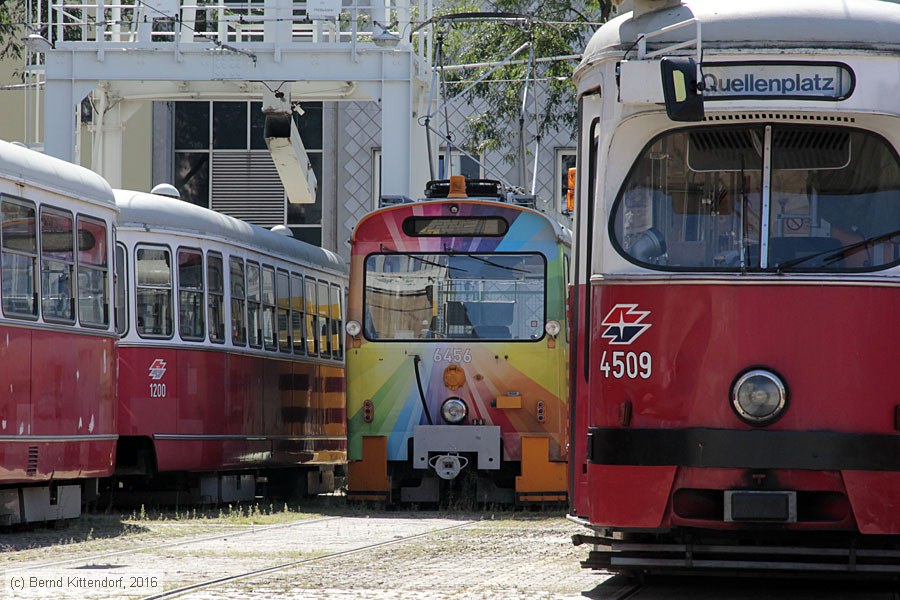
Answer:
(231, 358)
(737, 255)
(57, 339)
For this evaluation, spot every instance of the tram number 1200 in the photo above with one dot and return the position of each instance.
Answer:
(157, 390)
(620, 364)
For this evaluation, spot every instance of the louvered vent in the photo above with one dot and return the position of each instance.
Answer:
(245, 185)
(32, 460)
(808, 118)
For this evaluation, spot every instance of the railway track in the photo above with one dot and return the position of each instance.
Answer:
(219, 581)
(96, 558)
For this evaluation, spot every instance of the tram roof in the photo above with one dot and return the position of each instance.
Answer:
(140, 210)
(861, 25)
(421, 207)
(54, 174)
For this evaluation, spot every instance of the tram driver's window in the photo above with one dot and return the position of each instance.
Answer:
(692, 200)
(153, 292)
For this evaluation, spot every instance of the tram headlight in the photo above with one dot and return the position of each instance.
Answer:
(353, 328)
(552, 328)
(759, 397)
(454, 410)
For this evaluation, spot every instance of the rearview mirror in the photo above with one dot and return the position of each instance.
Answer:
(683, 96)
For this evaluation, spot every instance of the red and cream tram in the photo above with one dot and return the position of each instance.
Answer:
(57, 339)
(231, 359)
(737, 258)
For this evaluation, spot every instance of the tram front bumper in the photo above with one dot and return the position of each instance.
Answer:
(482, 440)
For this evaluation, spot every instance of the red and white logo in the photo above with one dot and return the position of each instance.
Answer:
(157, 369)
(624, 324)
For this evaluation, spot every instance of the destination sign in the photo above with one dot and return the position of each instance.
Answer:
(767, 80)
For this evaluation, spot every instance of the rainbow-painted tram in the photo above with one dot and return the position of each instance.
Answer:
(737, 261)
(57, 337)
(457, 351)
(231, 361)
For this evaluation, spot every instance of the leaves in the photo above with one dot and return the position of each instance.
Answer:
(12, 28)
(556, 28)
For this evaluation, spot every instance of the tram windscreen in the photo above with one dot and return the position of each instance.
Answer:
(454, 296)
(702, 199)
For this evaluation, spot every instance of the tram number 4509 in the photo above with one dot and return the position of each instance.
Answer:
(626, 364)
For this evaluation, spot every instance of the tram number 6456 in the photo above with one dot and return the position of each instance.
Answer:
(626, 364)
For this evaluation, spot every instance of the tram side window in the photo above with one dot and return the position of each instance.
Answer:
(268, 308)
(337, 322)
(154, 292)
(312, 319)
(215, 302)
(238, 302)
(298, 340)
(283, 293)
(122, 288)
(254, 325)
(324, 320)
(191, 311)
(19, 257)
(93, 273)
(57, 265)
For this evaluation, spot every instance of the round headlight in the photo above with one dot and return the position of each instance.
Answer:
(454, 410)
(759, 397)
(353, 328)
(552, 328)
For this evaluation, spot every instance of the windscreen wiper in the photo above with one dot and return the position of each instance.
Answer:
(834, 254)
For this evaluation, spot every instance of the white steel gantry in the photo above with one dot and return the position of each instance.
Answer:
(133, 51)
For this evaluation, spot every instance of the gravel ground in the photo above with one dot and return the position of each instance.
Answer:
(328, 550)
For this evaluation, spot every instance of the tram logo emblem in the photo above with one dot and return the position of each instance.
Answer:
(624, 324)
(157, 369)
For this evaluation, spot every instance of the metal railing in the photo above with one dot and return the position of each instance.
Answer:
(99, 25)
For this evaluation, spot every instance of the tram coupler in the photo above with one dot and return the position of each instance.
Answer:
(448, 466)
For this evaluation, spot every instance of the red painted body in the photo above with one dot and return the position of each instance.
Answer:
(832, 344)
(57, 404)
(215, 402)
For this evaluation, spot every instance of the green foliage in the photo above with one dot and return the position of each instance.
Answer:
(12, 29)
(557, 28)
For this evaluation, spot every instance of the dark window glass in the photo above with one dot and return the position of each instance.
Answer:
(191, 125)
(310, 235)
(257, 127)
(230, 125)
(192, 177)
(309, 124)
